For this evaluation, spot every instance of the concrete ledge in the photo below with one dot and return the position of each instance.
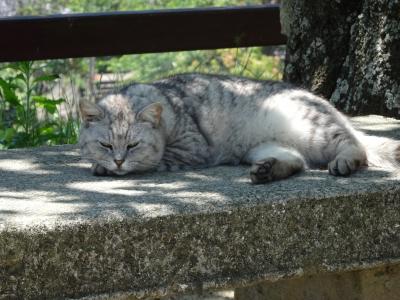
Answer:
(370, 284)
(67, 234)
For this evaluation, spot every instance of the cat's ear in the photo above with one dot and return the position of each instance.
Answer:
(151, 113)
(90, 112)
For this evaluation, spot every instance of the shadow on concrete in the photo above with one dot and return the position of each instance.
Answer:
(54, 183)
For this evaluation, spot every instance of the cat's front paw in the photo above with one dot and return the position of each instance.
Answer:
(262, 171)
(342, 167)
(98, 170)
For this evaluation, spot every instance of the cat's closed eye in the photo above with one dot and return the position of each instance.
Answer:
(105, 145)
(131, 146)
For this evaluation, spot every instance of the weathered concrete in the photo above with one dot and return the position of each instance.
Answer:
(65, 233)
(371, 284)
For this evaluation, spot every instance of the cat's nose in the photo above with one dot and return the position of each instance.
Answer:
(119, 162)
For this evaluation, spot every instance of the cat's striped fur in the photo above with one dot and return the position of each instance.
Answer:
(196, 120)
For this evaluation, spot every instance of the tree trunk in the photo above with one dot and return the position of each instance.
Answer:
(346, 51)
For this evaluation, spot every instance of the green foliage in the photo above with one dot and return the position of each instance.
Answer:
(147, 67)
(55, 6)
(249, 62)
(26, 118)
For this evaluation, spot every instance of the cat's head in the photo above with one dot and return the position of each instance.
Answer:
(120, 139)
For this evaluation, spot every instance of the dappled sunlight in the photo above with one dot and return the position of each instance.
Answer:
(378, 125)
(244, 90)
(69, 153)
(80, 165)
(314, 175)
(242, 180)
(378, 120)
(197, 197)
(137, 190)
(52, 186)
(197, 176)
(107, 187)
(313, 178)
(153, 210)
(29, 204)
(24, 166)
(166, 186)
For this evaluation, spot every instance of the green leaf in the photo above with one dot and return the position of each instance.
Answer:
(25, 66)
(13, 66)
(50, 105)
(9, 93)
(8, 134)
(21, 77)
(46, 78)
(48, 134)
(21, 115)
(21, 139)
(44, 100)
(46, 130)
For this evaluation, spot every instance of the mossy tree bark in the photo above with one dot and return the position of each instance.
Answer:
(346, 51)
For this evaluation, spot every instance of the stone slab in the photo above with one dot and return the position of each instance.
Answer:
(67, 234)
(371, 284)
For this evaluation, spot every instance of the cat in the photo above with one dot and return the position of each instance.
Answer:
(197, 120)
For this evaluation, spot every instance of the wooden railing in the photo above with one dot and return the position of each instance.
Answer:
(117, 33)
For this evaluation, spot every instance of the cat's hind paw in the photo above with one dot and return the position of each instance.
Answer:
(262, 171)
(342, 167)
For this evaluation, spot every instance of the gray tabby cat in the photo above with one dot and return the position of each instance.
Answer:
(195, 120)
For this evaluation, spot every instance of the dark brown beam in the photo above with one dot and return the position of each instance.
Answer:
(116, 33)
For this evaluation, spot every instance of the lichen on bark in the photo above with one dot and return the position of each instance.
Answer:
(347, 51)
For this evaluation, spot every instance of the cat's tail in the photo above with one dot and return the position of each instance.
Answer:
(382, 152)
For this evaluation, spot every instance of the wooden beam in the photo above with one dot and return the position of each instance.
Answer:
(117, 33)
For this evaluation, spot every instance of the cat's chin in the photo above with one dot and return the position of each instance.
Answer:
(120, 172)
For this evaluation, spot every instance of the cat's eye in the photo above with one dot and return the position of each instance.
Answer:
(105, 145)
(133, 145)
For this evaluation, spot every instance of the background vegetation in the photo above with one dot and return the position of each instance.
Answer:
(38, 100)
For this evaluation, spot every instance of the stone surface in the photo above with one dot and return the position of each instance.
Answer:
(204, 295)
(217, 295)
(67, 234)
(372, 284)
(347, 51)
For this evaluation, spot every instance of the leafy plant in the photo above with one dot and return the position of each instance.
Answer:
(28, 119)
